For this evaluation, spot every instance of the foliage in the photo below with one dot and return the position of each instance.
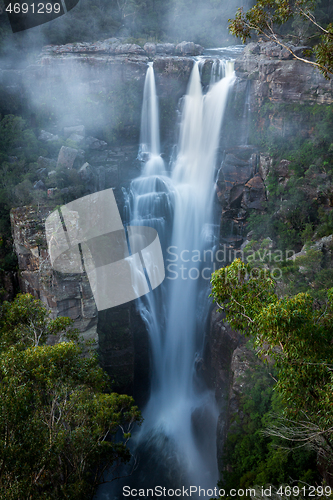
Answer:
(251, 457)
(60, 431)
(296, 332)
(299, 204)
(266, 16)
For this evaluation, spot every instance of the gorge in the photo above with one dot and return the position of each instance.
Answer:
(88, 81)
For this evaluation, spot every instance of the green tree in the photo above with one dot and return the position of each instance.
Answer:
(61, 432)
(266, 16)
(297, 334)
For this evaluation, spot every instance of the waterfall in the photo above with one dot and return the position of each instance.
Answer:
(178, 436)
(149, 150)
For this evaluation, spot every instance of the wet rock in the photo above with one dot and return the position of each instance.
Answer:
(189, 49)
(47, 163)
(79, 139)
(265, 165)
(129, 48)
(87, 175)
(89, 309)
(254, 196)
(61, 293)
(100, 178)
(41, 172)
(165, 48)
(66, 157)
(78, 129)
(47, 136)
(278, 76)
(282, 169)
(39, 185)
(236, 169)
(221, 342)
(150, 49)
(93, 143)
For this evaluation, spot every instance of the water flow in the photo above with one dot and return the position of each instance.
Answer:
(149, 150)
(180, 417)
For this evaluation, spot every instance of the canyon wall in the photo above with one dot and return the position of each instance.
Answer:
(98, 87)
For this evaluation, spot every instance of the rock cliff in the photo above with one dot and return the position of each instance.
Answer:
(83, 85)
(280, 78)
(63, 294)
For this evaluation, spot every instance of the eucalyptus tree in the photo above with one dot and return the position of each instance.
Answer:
(61, 431)
(266, 17)
(295, 333)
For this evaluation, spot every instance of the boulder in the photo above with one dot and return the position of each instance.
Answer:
(129, 48)
(254, 194)
(47, 163)
(93, 143)
(78, 129)
(66, 157)
(165, 48)
(265, 165)
(79, 139)
(150, 49)
(47, 136)
(100, 178)
(39, 185)
(189, 49)
(41, 172)
(85, 172)
(282, 168)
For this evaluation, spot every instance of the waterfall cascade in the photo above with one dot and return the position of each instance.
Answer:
(179, 430)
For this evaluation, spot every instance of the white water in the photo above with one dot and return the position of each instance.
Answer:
(149, 150)
(177, 441)
(179, 206)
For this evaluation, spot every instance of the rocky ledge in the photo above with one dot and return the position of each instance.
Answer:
(63, 294)
(116, 46)
(278, 76)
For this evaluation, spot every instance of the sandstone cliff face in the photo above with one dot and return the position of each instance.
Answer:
(100, 85)
(280, 78)
(221, 344)
(118, 333)
(63, 294)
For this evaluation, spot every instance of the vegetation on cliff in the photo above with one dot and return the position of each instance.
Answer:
(61, 431)
(251, 456)
(298, 138)
(307, 22)
(296, 333)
